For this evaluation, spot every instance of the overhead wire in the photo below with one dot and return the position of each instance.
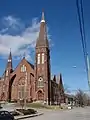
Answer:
(80, 11)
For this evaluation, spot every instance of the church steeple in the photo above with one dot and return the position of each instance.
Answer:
(61, 83)
(10, 56)
(42, 64)
(9, 63)
(42, 40)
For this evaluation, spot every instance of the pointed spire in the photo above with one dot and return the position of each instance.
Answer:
(24, 55)
(43, 20)
(9, 64)
(60, 79)
(42, 39)
(54, 78)
(61, 83)
(10, 56)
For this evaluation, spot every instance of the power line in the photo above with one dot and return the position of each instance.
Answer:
(82, 30)
(83, 25)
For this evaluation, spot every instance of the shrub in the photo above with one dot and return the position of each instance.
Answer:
(27, 111)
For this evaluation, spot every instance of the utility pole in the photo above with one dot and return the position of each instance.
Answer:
(88, 64)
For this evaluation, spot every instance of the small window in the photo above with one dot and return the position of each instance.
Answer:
(38, 59)
(42, 58)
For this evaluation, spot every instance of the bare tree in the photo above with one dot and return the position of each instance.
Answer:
(67, 89)
(82, 98)
(22, 103)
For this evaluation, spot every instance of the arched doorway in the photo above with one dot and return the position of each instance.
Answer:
(40, 95)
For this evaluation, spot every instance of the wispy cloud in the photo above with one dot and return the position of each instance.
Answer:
(20, 42)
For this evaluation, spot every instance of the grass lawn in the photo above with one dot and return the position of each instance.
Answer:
(41, 106)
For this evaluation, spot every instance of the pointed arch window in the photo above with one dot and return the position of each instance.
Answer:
(38, 59)
(23, 68)
(42, 58)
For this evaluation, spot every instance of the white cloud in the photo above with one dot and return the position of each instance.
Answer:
(19, 43)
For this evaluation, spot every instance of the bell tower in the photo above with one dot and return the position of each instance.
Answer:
(42, 65)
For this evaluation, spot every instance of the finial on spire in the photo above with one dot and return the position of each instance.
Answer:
(10, 56)
(24, 55)
(10, 53)
(43, 18)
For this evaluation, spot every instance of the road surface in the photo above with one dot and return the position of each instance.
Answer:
(74, 114)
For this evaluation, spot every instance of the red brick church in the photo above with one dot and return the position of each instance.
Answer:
(33, 82)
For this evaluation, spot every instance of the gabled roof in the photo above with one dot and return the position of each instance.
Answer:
(32, 66)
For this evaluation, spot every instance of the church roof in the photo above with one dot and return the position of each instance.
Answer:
(30, 64)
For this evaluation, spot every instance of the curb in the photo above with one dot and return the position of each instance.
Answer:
(28, 116)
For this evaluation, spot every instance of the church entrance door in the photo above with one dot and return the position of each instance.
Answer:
(40, 95)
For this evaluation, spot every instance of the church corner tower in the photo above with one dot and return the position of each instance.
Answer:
(9, 67)
(42, 65)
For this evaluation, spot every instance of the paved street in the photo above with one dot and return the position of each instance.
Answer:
(75, 114)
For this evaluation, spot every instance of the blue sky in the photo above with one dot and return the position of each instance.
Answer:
(17, 23)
